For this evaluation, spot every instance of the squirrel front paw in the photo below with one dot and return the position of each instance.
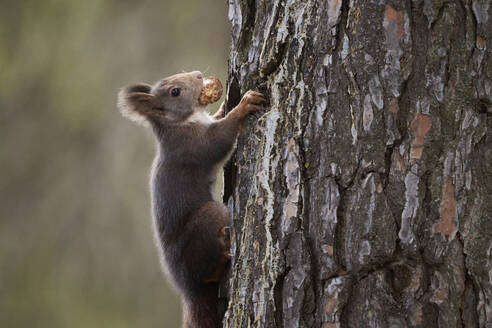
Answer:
(250, 102)
(220, 112)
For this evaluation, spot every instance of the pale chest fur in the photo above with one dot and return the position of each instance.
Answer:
(200, 117)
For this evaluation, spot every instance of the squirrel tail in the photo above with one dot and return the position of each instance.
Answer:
(200, 308)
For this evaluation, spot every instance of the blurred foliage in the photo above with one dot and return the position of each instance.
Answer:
(76, 240)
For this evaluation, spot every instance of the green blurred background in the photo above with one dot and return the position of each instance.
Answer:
(76, 240)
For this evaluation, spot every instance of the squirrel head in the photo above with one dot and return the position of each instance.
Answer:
(170, 100)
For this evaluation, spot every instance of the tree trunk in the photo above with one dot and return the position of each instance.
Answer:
(362, 195)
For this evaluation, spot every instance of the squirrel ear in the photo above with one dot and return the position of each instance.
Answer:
(139, 87)
(135, 101)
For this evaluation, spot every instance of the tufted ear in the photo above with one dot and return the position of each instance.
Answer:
(136, 102)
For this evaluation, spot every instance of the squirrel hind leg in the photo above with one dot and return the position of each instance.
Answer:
(206, 243)
(205, 247)
(224, 241)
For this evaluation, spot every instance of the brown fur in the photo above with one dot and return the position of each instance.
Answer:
(190, 225)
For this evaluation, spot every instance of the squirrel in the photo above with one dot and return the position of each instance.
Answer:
(191, 227)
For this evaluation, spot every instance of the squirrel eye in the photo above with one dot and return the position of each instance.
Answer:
(175, 92)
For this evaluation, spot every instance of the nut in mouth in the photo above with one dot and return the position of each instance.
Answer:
(211, 91)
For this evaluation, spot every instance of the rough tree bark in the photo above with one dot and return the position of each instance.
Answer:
(362, 195)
